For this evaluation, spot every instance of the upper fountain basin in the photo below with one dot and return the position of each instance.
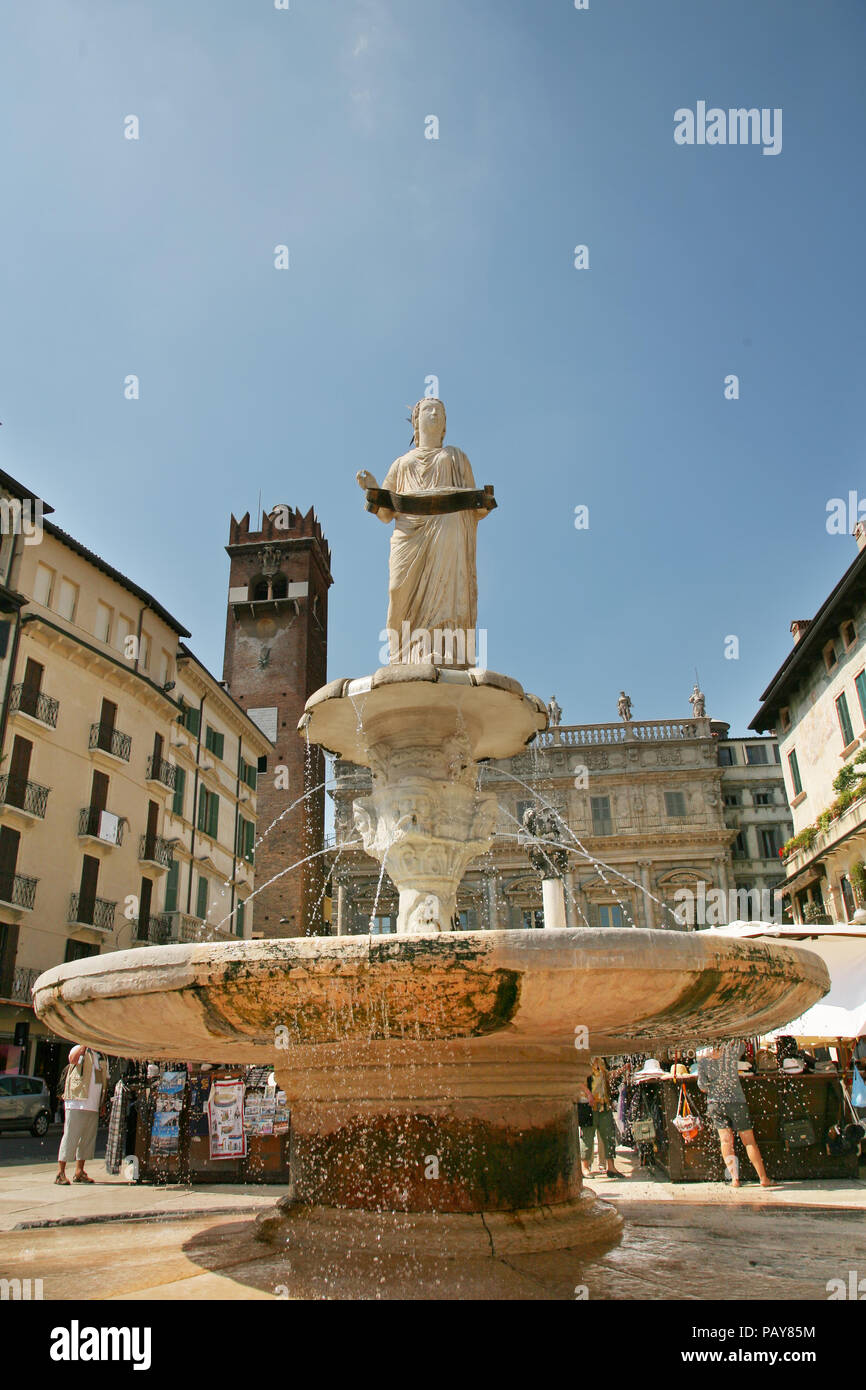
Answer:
(405, 700)
(632, 989)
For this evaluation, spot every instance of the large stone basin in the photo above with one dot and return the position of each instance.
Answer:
(434, 1074)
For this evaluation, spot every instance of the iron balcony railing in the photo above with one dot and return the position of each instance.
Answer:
(18, 890)
(89, 823)
(22, 983)
(26, 796)
(153, 849)
(38, 706)
(154, 930)
(110, 741)
(158, 770)
(91, 912)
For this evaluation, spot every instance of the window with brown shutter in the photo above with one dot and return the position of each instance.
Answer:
(31, 687)
(107, 718)
(19, 771)
(9, 842)
(87, 891)
(145, 898)
(150, 833)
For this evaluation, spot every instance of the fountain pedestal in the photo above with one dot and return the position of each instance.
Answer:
(422, 730)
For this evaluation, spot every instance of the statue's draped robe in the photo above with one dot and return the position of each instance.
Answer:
(433, 584)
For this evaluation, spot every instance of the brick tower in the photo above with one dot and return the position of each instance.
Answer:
(275, 657)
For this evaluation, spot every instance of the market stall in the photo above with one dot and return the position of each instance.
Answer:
(797, 1117)
(212, 1124)
(792, 1117)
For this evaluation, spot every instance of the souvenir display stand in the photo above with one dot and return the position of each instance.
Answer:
(222, 1124)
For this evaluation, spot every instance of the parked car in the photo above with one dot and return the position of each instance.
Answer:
(25, 1103)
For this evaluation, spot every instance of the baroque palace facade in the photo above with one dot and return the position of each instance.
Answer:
(654, 806)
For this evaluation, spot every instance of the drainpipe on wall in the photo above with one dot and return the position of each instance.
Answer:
(237, 822)
(16, 638)
(138, 636)
(194, 807)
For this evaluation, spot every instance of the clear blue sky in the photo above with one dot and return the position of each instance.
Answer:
(453, 257)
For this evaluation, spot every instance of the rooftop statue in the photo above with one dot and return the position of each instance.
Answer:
(430, 495)
(698, 702)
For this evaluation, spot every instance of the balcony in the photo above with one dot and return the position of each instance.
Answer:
(22, 983)
(183, 927)
(636, 731)
(153, 849)
(91, 912)
(110, 742)
(152, 931)
(17, 891)
(28, 798)
(94, 824)
(158, 770)
(36, 706)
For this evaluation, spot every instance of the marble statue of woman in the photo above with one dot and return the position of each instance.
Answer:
(435, 507)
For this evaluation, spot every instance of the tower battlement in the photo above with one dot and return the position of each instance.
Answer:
(280, 523)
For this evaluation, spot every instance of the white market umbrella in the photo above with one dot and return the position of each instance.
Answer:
(842, 947)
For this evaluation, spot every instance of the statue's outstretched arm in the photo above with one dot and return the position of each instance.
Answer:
(365, 480)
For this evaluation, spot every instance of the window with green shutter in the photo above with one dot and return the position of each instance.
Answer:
(246, 839)
(796, 781)
(201, 820)
(201, 898)
(171, 886)
(844, 720)
(214, 742)
(179, 787)
(860, 683)
(239, 918)
(213, 815)
(250, 775)
(191, 719)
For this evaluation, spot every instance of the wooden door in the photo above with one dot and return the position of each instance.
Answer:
(31, 686)
(19, 771)
(87, 890)
(9, 841)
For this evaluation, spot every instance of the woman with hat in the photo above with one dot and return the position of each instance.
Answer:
(719, 1077)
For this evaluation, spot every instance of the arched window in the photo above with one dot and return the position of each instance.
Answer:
(280, 587)
(258, 589)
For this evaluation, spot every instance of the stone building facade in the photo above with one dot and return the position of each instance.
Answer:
(116, 829)
(756, 808)
(644, 804)
(816, 704)
(275, 657)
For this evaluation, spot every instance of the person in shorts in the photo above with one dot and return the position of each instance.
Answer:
(83, 1093)
(719, 1077)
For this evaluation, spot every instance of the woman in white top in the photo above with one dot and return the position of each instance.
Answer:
(83, 1090)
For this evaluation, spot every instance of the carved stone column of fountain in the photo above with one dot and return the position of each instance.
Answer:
(422, 730)
(425, 820)
(541, 838)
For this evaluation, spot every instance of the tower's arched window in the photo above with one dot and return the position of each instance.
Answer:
(258, 589)
(280, 587)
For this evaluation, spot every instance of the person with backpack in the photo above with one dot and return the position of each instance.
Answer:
(83, 1094)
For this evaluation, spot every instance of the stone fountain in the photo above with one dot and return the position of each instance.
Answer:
(432, 1074)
